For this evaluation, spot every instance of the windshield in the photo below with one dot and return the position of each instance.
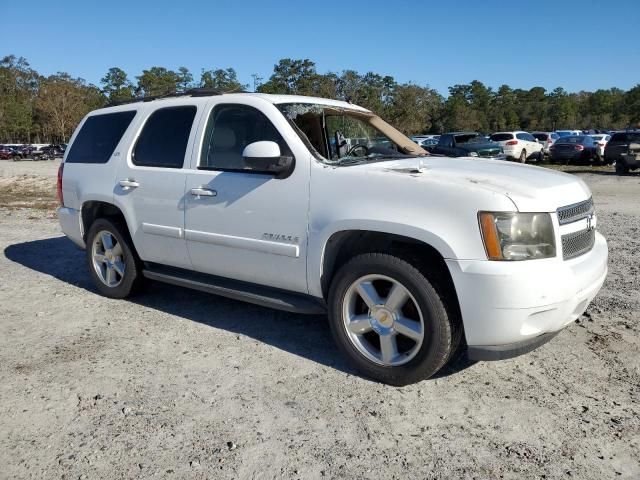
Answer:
(342, 136)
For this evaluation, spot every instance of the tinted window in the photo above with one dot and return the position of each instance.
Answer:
(163, 141)
(501, 137)
(521, 136)
(229, 130)
(625, 137)
(467, 138)
(99, 137)
(541, 136)
(446, 141)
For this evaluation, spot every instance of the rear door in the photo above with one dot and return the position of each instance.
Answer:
(150, 183)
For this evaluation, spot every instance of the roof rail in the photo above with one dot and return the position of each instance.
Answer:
(191, 92)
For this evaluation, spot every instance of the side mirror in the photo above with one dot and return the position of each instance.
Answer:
(264, 156)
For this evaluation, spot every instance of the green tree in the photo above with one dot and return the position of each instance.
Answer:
(116, 86)
(223, 80)
(18, 87)
(185, 79)
(62, 102)
(158, 81)
(293, 77)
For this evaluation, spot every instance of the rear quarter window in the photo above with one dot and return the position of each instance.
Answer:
(98, 137)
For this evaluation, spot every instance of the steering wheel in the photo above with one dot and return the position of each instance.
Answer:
(356, 147)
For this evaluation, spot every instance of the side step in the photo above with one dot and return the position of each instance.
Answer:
(237, 290)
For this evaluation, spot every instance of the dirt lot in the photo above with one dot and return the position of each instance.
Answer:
(179, 384)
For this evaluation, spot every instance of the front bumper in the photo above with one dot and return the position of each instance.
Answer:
(508, 306)
(71, 224)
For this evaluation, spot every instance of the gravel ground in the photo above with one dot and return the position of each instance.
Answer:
(179, 384)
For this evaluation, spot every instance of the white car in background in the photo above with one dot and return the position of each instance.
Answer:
(519, 145)
(546, 139)
(601, 140)
(424, 140)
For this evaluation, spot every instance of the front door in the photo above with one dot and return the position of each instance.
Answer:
(245, 224)
(150, 185)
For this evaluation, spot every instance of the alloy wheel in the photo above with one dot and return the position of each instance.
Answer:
(383, 320)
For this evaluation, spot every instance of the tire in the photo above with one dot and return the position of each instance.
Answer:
(360, 330)
(523, 156)
(621, 169)
(119, 274)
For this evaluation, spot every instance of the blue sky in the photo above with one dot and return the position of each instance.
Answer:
(579, 45)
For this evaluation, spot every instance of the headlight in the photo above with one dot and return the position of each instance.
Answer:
(517, 236)
(473, 154)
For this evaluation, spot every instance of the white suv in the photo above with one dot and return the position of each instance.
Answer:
(520, 146)
(313, 205)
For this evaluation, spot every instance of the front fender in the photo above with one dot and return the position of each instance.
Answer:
(318, 241)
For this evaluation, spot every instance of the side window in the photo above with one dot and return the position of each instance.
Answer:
(164, 137)
(447, 141)
(521, 136)
(99, 137)
(230, 129)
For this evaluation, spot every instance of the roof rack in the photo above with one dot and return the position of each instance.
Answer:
(191, 92)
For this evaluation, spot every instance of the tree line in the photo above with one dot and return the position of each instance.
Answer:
(42, 109)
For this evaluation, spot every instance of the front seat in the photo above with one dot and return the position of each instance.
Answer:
(224, 152)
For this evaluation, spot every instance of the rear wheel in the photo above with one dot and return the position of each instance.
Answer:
(389, 320)
(523, 156)
(113, 262)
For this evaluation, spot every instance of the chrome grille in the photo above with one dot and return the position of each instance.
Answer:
(575, 212)
(577, 243)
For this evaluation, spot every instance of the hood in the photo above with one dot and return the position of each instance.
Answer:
(532, 189)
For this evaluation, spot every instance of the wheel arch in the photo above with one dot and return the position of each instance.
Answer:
(91, 210)
(345, 244)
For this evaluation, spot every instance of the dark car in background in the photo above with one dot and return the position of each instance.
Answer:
(618, 145)
(575, 148)
(6, 153)
(466, 144)
(54, 150)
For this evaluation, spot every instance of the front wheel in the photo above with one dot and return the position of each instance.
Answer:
(523, 156)
(113, 263)
(389, 320)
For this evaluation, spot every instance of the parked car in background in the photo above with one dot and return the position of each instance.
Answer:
(568, 133)
(519, 145)
(53, 151)
(630, 160)
(576, 148)
(546, 139)
(601, 142)
(618, 145)
(6, 153)
(426, 140)
(466, 144)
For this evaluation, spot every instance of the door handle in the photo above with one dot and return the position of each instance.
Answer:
(203, 192)
(128, 183)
